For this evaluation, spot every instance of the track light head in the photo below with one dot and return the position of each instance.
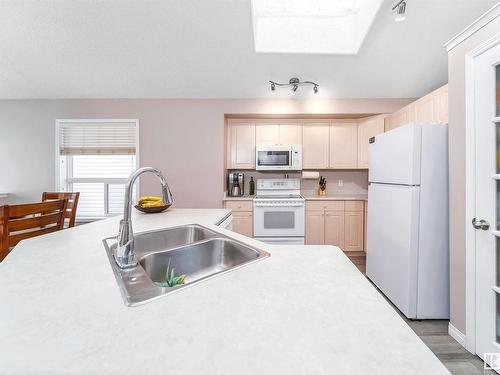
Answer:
(400, 11)
(294, 89)
(315, 89)
(273, 86)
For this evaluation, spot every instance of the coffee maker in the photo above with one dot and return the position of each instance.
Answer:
(235, 184)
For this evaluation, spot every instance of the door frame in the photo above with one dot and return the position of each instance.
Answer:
(470, 190)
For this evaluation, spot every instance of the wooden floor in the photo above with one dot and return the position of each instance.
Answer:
(434, 333)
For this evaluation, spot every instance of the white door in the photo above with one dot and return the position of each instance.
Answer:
(487, 220)
(393, 227)
(395, 156)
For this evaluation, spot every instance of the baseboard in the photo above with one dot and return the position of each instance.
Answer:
(457, 335)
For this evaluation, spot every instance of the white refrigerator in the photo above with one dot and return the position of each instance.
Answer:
(407, 237)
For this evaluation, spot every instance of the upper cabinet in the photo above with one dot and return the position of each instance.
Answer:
(267, 134)
(278, 134)
(398, 118)
(327, 143)
(315, 145)
(423, 110)
(431, 108)
(368, 128)
(241, 145)
(291, 134)
(343, 145)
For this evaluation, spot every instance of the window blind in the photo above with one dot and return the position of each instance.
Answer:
(105, 138)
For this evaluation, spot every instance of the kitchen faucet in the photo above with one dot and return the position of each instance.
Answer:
(124, 254)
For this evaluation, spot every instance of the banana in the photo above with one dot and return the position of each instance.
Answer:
(149, 198)
(150, 201)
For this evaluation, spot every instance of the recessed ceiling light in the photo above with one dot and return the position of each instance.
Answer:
(312, 26)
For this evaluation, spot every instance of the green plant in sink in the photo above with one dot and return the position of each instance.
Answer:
(170, 279)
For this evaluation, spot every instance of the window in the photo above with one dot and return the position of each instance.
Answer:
(312, 26)
(95, 158)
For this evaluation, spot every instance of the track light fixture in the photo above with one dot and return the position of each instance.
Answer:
(399, 11)
(294, 83)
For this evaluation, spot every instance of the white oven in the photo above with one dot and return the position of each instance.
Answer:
(278, 158)
(279, 211)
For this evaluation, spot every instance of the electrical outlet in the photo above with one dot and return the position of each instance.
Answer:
(341, 183)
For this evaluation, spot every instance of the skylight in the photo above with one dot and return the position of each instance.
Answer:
(312, 26)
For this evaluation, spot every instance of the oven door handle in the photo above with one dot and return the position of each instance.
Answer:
(277, 205)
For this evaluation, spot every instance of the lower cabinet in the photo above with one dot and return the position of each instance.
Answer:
(243, 223)
(242, 216)
(336, 223)
(315, 227)
(353, 231)
(335, 228)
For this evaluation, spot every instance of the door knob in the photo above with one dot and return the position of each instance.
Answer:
(481, 224)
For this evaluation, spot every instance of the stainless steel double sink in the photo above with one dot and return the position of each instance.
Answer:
(191, 250)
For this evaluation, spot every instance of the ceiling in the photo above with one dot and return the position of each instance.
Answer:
(204, 49)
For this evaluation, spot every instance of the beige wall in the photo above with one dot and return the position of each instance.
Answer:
(456, 87)
(184, 138)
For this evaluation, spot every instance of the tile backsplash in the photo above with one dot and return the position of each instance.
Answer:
(353, 181)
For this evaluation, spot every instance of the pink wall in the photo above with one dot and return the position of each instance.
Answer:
(184, 138)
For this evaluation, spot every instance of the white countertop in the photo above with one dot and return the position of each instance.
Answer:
(243, 198)
(304, 310)
(310, 196)
(336, 197)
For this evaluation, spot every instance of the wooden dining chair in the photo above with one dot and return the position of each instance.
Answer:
(72, 204)
(21, 221)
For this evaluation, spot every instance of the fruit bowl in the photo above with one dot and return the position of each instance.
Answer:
(152, 210)
(151, 204)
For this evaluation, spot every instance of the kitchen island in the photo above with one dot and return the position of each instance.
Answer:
(304, 310)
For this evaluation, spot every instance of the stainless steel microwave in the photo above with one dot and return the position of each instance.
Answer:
(278, 158)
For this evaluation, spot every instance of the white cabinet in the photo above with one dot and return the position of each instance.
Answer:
(398, 118)
(241, 145)
(242, 212)
(337, 223)
(368, 128)
(423, 110)
(267, 134)
(291, 134)
(315, 145)
(278, 134)
(315, 227)
(243, 223)
(354, 225)
(432, 108)
(343, 145)
(334, 228)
